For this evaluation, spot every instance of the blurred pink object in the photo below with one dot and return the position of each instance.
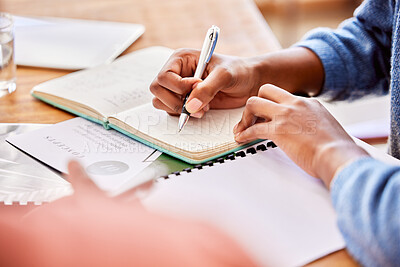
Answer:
(90, 229)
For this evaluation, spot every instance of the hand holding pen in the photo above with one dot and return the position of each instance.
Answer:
(228, 82)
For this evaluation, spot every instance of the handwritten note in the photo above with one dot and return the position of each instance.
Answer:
(112, 89)
(215, 129)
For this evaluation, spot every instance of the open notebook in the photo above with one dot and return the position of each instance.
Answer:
(117, 95)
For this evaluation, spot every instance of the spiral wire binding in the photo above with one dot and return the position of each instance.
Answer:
(251, 150)
(36, 197)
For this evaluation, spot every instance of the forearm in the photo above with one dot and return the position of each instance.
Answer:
(366, 197)
(356, 56)
(297, 70)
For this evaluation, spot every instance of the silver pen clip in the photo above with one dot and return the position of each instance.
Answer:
(207, 50)
(214, 32)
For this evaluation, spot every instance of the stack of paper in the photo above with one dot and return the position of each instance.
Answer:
(70, 43)
(22, 179)
(365, 118)
(111, 159)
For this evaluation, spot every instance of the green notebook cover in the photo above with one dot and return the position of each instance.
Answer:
(108, 126)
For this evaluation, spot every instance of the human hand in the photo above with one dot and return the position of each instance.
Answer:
(85, 189)
(91, 229)
(301, 127)
(228, 83)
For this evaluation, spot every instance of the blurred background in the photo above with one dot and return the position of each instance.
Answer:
(291, 19)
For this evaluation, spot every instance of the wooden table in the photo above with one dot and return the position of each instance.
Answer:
(172, 23)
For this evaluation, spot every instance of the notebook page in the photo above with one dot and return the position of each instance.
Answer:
(272, 208)
(111, 88)
(199, 135)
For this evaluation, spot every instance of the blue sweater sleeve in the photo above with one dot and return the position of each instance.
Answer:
(356, 56)
(366, 196)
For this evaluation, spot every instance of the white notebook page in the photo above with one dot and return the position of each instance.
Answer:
(199, 135)
(115, 87)
(280, 215)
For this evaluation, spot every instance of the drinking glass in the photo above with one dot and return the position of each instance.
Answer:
(7, 64)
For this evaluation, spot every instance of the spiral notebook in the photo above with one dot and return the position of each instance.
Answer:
(261, 198)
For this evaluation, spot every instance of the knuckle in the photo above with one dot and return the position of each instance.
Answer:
(299, 101)
(226, 73)
(287, 110)
(181, 52)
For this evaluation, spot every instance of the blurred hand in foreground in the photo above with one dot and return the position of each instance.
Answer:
(91, 229)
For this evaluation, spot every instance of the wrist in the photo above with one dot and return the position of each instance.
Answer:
(297, 70)
(256, 68)
(332, 156)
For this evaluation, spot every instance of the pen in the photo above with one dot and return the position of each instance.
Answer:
(205, 55)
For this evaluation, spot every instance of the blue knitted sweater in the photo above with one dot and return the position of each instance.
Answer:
(361, 58)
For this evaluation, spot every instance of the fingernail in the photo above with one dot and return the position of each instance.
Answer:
(237, 136)
(206, 108)
(198, 115)
(235, 129)
(194, 105)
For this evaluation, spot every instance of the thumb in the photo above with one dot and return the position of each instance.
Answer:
(203, 92)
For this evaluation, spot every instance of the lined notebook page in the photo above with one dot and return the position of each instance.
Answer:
(278, 213)
(199, 135)
(112, 88)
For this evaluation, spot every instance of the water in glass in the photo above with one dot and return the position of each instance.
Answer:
(7, 64)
